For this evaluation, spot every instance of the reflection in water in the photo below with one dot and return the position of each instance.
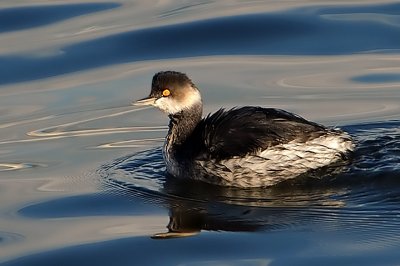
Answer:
(195, 206)
(365, 192)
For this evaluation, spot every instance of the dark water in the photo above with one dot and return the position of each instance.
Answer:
(378, 78)
(366, 190)
(22, 18)
(333, 219)
(303, 31)
(82, 179)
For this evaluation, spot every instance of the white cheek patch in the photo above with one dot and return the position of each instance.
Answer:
(170, 105)
(167, 105)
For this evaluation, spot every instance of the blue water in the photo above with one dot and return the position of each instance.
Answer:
(302, 31)
(36, 16)
(82, 178)
(335, 215)
(378, 78)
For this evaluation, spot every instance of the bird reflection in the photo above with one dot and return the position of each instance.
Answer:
(365, 192)
(195, 206)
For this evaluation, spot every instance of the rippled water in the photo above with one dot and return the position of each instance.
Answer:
(82, 180)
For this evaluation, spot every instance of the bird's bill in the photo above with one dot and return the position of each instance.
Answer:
(145, 101)
(172, 234)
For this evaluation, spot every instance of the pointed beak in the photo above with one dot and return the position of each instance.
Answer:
(172, 234)
(145, 101)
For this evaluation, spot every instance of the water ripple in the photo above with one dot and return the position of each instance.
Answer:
(62, 130)
(36, 16)
(293, 32)
(363, 198)
(134, 143)
(7, 237)
(18, 166)
(74, 129)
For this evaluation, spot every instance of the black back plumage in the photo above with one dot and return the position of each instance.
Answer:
(246, 130)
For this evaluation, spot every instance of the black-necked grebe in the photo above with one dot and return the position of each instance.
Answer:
(242, 147)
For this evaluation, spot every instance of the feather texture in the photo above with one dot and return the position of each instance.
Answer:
(243, 147)
(247, 130)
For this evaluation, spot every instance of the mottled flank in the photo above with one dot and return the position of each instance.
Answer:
(280, 162)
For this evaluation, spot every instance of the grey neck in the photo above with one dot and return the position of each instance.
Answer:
(182, 124)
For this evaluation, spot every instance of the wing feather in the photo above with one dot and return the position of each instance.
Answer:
(246, 130)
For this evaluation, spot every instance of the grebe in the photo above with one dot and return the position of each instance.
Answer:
(242, 147)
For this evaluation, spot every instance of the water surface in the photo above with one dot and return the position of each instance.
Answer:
(82, 180)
